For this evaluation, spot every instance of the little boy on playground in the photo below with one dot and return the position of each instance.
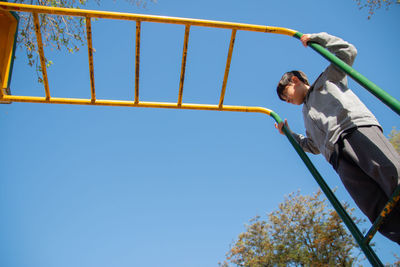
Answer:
(339, 126)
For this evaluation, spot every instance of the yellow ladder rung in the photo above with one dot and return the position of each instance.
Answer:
(90, 56)
(137, 60)
(228, 65)
(183, 67)
(41, 54)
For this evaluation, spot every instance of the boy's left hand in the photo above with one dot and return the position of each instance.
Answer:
(280, 126)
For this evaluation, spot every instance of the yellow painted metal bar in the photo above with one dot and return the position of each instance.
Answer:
(125, 103)
(8, 35)
(228, 65)
(137, 60)
(147, 18)
(41, 54)
(1, 89)
(183, 67)
(90, 56)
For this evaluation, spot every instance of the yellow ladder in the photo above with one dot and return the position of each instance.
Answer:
(139, 19)
(8, 28)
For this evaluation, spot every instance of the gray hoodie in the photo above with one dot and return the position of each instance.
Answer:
(330, 107)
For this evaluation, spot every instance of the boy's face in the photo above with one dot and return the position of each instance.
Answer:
(295, 92)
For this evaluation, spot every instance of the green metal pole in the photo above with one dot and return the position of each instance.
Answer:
(366, 248)
(389, 100)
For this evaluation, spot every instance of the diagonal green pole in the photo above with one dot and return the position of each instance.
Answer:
(389, 100)
(366, 248)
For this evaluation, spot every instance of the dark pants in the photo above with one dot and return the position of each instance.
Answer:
(369, 168)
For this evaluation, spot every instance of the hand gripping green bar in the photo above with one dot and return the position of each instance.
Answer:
(389, 100)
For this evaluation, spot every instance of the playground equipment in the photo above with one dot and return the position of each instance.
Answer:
(9, 26)
(8, 33)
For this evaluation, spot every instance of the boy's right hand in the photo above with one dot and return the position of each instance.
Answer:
(304, 39)
(280, 126)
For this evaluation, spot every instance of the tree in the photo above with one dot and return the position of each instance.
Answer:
(301, 232)
(394, 138)
(374, 5)
(57, 31)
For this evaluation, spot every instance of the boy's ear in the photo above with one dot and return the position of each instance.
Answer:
(295, 80)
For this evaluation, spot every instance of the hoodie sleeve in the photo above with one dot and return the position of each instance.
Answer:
(306, 143)
(340, 48)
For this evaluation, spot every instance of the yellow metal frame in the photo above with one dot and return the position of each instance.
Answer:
(188, 23)
(8, 30)
(90, 14)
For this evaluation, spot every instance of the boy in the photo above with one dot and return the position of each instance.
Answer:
(340, 127)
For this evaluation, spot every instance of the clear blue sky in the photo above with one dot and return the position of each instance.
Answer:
(111, 186)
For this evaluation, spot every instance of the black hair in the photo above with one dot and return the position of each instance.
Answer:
(287, 78)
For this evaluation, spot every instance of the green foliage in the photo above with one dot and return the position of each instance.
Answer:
(373, 5)
(394, 138)
(58, 32)
(302, 232)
